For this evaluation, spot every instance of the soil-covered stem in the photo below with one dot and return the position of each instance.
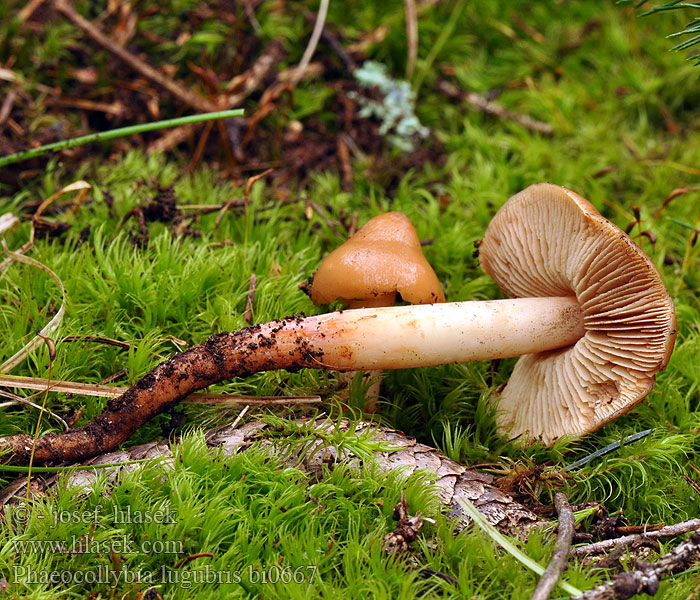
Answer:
(373, 338)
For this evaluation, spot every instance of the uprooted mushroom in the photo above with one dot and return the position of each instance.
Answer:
(589, 312)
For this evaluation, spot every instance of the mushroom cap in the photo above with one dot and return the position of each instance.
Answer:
(549, 241)
(383, 257)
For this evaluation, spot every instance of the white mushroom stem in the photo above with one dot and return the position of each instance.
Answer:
(432, 334)
(374, 378)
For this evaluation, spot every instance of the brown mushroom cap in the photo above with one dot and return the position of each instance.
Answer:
(383, 257)
(549, 241)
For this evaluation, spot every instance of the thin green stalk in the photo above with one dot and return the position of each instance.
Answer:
(116, 133)
(445, 34)
(509, 546)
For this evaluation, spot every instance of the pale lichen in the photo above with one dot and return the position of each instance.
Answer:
(396, 111)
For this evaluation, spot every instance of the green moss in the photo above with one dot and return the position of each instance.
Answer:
(623, 111)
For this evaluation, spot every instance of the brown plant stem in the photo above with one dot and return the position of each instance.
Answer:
(645, 580)
(628, 540)
(411, 36)
(250, 299)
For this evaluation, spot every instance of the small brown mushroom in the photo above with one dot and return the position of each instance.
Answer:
(382, 259)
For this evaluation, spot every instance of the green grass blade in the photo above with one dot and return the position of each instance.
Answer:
(116, 133)
(509, 547)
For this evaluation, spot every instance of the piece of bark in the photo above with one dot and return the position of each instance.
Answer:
(453, 480)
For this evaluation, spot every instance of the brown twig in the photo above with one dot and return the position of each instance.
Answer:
(238, 89)
(692, 483)
(28, 10)
(627, 540)
(250, 299)
(187, 559)
(245, 84)
(311, 71)
(428, 572)
(637, 529)
(170, 139)
(191, 99)
(266, 107)
(199, 150)
(481, 103)
(205, 209)
(604, 171)
(250, 13)
(528, 29)
(99, 340)
(115, 108)
(674, 194)
(117, 375)
(565, 536)
(6, 108)
(250, 182)
(369, 39)
(353, 225)
(576, 38)
(15, 399)
(645, 580)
